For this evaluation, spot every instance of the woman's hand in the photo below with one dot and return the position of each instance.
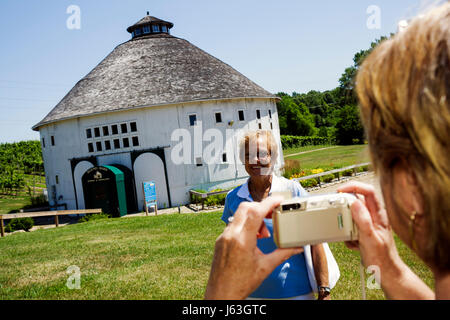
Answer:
(376, 241)
(238, 266)
(377, 246)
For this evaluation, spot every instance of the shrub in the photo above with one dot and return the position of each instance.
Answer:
(327, 178)
(215, 200)
(20, 224)
(364, 168)
(347, 173)
(292, 168)
(94, 216)
(309, 183)
(301, 141)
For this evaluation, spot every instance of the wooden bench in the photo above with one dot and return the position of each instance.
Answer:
(43, 214)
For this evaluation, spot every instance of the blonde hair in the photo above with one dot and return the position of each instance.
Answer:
(252, 137)
(404, 91)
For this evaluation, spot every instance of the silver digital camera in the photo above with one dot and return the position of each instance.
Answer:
(314, 219)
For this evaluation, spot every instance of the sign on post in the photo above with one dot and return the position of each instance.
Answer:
(150, 196)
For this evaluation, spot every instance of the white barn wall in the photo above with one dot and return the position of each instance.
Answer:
(155, 126)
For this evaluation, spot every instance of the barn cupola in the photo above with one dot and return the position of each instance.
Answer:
(149, 25)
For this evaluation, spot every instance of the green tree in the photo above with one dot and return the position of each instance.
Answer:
(348, 127)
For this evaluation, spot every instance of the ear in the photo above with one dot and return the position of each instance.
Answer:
(407, 187)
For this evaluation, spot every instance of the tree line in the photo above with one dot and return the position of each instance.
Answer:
(331, 114)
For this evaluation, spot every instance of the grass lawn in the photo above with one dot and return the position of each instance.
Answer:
(10, 202)
(162, 257)
(332, 158)
(290, 151)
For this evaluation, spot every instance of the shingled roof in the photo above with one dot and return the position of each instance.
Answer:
(157, 69)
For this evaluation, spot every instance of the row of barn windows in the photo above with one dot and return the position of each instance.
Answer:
(123, 141)
(241, 117)
(52, 141)
(105, 131)
(154, 28)
(107, 145)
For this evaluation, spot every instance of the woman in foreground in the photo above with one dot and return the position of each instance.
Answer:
(404, 94)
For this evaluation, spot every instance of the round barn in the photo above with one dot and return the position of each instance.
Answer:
(118, 123)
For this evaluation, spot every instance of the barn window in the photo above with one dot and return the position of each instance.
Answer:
(123, 128)
(133, 127)
(192, 120)
(135, 141)
(126, 143)
(259, 126)
(52, 138)
(114, 129)
(88, 133)
(99, 146)
(258, 114)
(218, 117)
(164, 28)
(97, 132)
(107, 145)
(137, 32)
(57, 179)
(270, 114)
(224, 157)
(146, 29)
(241, 115)
(155, 28)
(116, 144)
(198, 161)
(105, 131)
(271, 126)
(90, 147)
(43, 143)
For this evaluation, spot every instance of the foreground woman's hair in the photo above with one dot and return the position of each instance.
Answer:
(404, 91)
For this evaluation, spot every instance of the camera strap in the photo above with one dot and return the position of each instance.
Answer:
(363, 285)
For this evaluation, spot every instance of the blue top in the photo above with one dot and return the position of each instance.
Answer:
(290, 278)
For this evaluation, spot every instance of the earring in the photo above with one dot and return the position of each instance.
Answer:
(412, 219)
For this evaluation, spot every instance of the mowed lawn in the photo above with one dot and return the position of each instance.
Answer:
(162, 257)
(329, 158)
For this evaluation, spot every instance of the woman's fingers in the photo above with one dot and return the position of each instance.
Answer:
(250, 216)
(370, 200)
(362, 217)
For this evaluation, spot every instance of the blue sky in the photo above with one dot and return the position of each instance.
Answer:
(284, 45)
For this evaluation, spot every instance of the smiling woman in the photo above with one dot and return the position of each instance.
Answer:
(302, 274)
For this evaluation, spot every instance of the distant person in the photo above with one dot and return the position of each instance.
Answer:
(302, 274)
(404, 94)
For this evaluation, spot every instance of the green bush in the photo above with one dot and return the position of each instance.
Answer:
(94, 216)
(309, 183)
(347, 173)
(214, 200)
(327, 178)
(20, 224)
(301, 141)
(364, 168)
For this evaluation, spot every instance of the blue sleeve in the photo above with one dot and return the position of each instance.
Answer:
(226, 211)
(298, 190)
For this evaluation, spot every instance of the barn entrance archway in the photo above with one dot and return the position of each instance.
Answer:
(104, 187)
(149, 167)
